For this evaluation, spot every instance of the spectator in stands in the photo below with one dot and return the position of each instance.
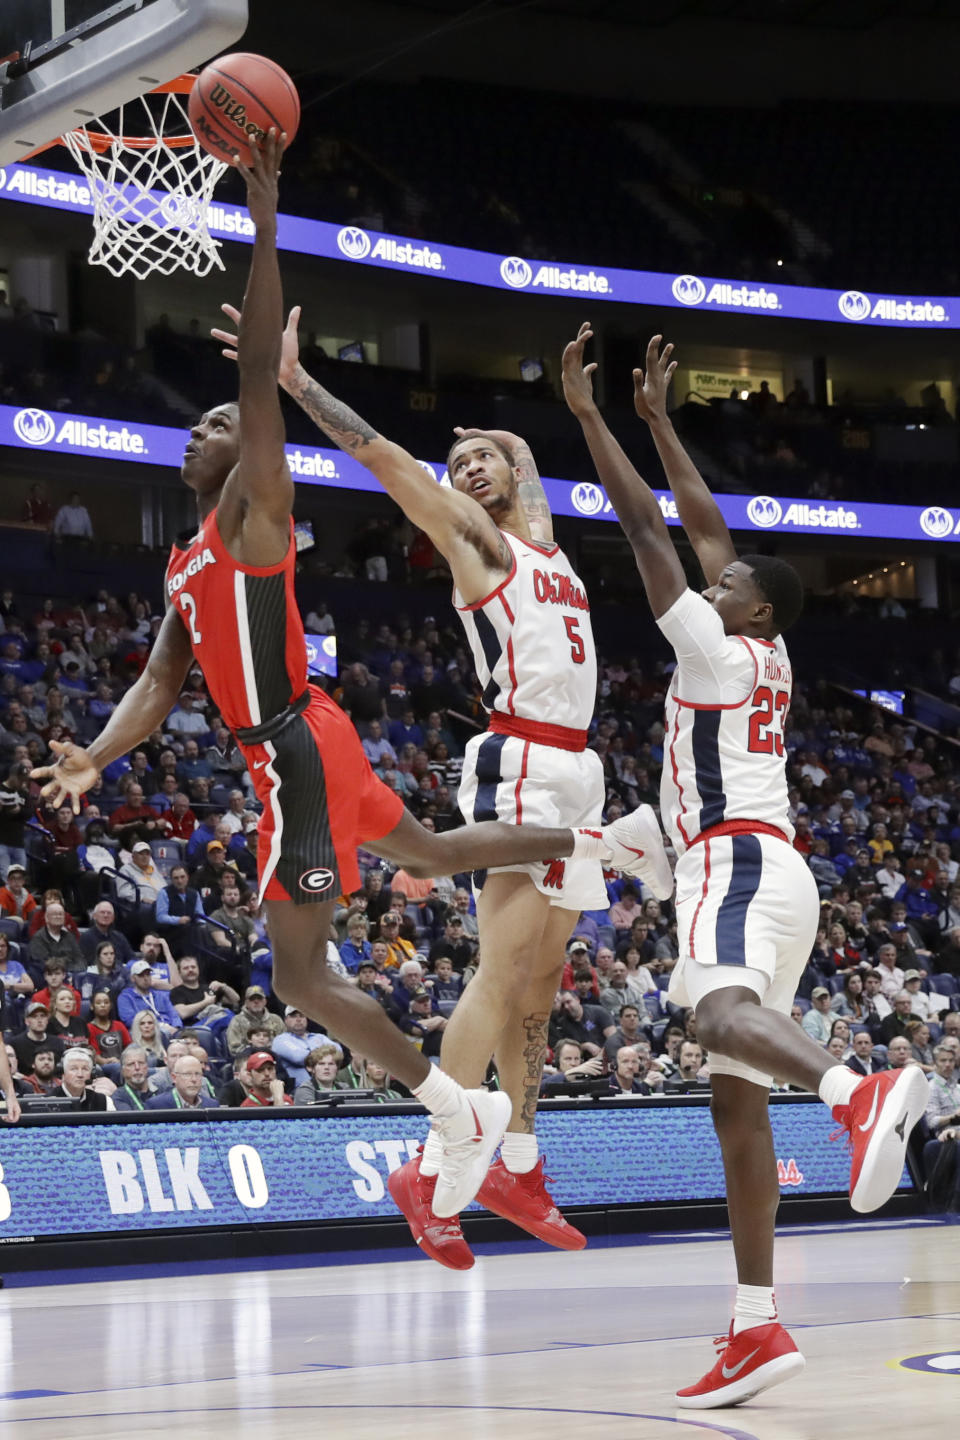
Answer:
(43, 1078)
(140, 995)
(589, 1025)
(187, 1091)
(135, 820)
(630, 1031)
(208, 880)
(572, 1068)
(186, 722)
(54, 941)
(356, 947)
(77, 1075)
(295, 1042)
(180, 911)
(264, 1087)
(818, 1020)
(927, 1007)
(146, 1032)
(875, 1002)
(14, 980)
(422, 1023)
(898, 1053)
(103, 927)
(179, 820)
(896, 1023)
(73, 519)
(37, 509)
(689, 1070)
(891, 976)
(108, 1036)
(211, 1006)
(65, 1022)
(943, 1106)
(253, 1013)
(135, 1085)
(322, 1066)
(445, 983)
(625, 1079)
(627, 908)
(398, 949)
(15, 899)
(849, 1001)
(140, 881)
(862, 1061)
(918, 1033)
(621, 990)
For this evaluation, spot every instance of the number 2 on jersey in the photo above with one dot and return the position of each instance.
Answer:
(577, 651)
(766, 721)
(189, 607)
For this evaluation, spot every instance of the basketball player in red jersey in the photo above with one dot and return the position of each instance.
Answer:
(527, 619)
(230, 604)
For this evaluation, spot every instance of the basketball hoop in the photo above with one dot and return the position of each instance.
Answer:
(151, 184)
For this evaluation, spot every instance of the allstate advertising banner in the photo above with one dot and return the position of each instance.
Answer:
(38, 186)
(64, 434)
(91, 1178)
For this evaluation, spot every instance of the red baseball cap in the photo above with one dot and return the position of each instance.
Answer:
(259, 1058)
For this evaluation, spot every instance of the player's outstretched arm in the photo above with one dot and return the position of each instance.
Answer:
(262, 480)
(635, 503)
(699, 513)
(144, 707)
(533, 497)
(457, 525)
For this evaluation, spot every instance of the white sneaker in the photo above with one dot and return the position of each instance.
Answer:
(466, 1158)
(636, 848)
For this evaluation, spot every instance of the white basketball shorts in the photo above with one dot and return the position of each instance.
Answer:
(747, 915)
(523, 783)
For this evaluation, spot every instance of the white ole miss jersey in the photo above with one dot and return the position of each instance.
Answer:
(724, 756)
(532, 641)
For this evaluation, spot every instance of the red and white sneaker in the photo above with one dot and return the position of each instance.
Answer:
(635, 842)
(879, 1116)
(441, 1240)
(752, 1361)
(525, 1200)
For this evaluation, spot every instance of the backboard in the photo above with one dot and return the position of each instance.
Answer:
(64, 61)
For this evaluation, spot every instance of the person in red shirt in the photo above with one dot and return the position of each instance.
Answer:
(265, 1088)
(135, 820)
(55, 975)
(180, 821)
(38, 916)
(103, 1030)
(15, 898)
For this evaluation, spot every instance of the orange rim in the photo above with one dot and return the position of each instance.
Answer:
(100, 141)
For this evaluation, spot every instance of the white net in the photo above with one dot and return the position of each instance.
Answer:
(151, 184)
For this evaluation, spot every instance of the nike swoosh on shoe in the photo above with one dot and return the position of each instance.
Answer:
(873, 1113)
(734, 1370)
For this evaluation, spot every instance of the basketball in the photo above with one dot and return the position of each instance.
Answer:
(236, 100)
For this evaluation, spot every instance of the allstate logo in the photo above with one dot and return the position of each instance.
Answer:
(316, 881)
(854, 305)
(353, 242)
(311, 652)
(936, 522)
(515, 272)
(34, 426)
(764, 511)
(587, 498)
(688, 289)
(425, 465)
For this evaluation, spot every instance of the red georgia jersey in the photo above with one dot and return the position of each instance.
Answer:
(244, 626)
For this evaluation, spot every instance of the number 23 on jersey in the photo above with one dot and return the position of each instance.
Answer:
(767, 720)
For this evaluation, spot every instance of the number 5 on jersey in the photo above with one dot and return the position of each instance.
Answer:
(571, 624)
(189, 607)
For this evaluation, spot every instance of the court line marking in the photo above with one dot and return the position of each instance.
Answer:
(552, 1347)
(488, 1409)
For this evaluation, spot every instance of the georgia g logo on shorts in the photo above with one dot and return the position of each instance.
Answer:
(316, 881)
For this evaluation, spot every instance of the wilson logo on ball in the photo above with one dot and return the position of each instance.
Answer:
(235, 113)
(316, 881)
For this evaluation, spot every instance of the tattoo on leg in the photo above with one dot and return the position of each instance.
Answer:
(534, 1053)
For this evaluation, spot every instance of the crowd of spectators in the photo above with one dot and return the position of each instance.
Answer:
(132, 943)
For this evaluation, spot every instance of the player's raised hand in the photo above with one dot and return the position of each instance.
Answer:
(650, 389)
(261, 178)
(289, 350)
(69, 777)
(503, 437)
(577, 377)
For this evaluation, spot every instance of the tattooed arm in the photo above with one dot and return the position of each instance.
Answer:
(533, 497)
(459, 527)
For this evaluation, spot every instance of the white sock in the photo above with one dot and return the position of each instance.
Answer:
(441, 1094)
(432, 1154)
(755, 1305)
(519, 1153)
(590, 845)
(837, 1085)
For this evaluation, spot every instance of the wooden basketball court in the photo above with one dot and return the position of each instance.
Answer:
(530, 1345)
